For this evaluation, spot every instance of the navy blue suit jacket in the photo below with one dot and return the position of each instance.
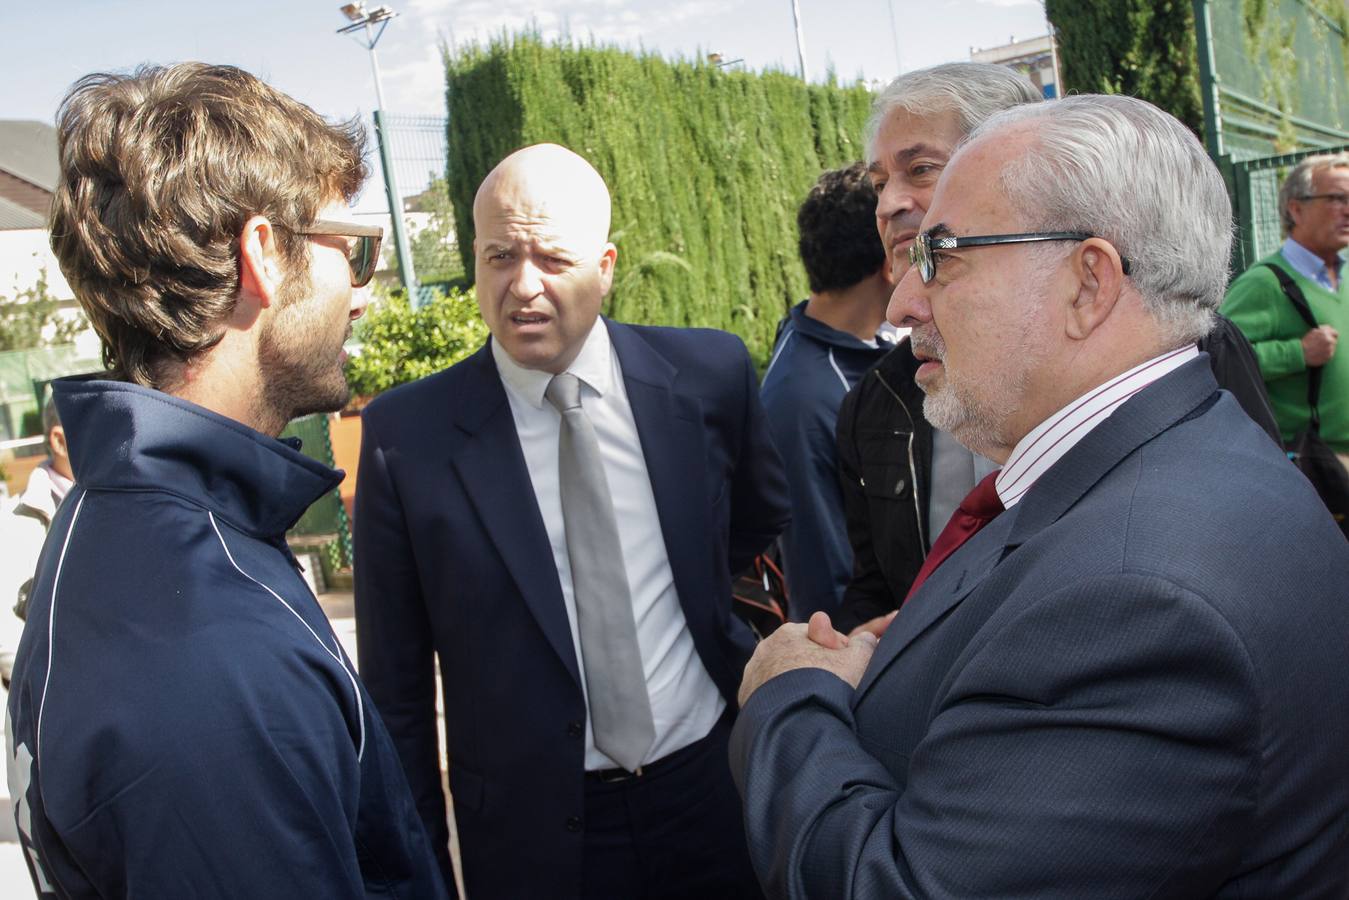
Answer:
(1131, 684)
(453, 561)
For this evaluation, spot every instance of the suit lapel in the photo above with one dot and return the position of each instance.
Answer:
(491, 467)
(952, 582)
(1158, 407)
(670, 428)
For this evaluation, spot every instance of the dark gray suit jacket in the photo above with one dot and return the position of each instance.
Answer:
(1131, 684)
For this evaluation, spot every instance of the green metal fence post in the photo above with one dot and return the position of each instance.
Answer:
(400, 239)
(1208, 80)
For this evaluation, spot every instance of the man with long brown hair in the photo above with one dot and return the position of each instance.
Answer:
(183, 721)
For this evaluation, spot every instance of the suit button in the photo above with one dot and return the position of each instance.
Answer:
(900, 486)
(575, 729)
(574, 824)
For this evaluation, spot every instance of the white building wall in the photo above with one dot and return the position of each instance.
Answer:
(24, 254)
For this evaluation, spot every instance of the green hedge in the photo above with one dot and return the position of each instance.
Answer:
(706, 168)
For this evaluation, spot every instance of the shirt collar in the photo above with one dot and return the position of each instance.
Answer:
(1308, 264)
(1050, 441)
(593, 366)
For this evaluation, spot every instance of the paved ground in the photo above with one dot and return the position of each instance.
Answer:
(14, 880)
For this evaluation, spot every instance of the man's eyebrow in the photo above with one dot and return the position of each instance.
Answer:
(939, 230)
(919, 149)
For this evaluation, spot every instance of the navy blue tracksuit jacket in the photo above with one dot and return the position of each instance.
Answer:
(182, 721)
(812, 369)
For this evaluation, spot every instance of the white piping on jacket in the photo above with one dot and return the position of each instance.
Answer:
(360, 706)
(839, 372)
(786, 339)
(51, 624)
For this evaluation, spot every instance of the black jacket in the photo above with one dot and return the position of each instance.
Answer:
(1233, 361)
(885, 470)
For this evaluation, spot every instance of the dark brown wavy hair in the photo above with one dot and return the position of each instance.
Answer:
(160, 169)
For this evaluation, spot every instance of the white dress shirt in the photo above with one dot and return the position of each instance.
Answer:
(685, 702)
(1049, 441)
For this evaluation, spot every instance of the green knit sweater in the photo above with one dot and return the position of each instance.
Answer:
(1259, 307)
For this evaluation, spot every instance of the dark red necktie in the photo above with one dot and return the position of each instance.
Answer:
(979, 507)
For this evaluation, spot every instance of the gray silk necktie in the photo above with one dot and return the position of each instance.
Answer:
(620, 710)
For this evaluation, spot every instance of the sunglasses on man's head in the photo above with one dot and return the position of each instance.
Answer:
(363, 254)
(920, 252)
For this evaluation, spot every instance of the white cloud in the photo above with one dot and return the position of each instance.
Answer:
(611, 21)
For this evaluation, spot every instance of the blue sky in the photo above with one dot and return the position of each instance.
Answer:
(293, 45)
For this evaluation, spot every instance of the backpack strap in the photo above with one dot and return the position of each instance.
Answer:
(1299, 300)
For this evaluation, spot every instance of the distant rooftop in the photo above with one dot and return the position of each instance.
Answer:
(28, 173)
(28, 151)
(14, 217)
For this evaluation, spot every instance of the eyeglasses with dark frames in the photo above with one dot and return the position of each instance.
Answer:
(920, 252)
(363, 254)
(1340, 200)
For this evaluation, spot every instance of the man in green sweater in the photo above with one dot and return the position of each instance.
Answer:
(1314, 207)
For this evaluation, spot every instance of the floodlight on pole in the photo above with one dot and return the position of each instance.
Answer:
(360, 19)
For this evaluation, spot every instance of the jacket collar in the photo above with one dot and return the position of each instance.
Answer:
(124, 437)
(814, 329)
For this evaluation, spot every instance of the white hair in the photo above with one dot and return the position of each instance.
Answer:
(1124, 170)
(1298, 184)
(972, 91)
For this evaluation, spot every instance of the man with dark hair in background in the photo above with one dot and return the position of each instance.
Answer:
(183, 721)
(825, 345)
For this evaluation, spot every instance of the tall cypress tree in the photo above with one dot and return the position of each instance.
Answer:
(1142, 48)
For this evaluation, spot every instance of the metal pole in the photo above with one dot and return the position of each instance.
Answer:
(402, 249)
(1208, 80)
(370, 41)
(894, 35)
(800, 38)
(1054, 60)
(400, 240)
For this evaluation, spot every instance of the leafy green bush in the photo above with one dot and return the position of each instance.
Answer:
(32, 319)
(400, 344)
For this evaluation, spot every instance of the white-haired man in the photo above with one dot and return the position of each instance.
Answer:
(901, 479)
(1108, 688)
(1314, 210)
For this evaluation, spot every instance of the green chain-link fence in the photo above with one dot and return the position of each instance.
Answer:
(417, 146)
(1255, 203)
(1273, 80)
(324, 528)
(1273, 76)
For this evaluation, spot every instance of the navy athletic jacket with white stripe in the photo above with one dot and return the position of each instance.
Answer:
(182, 720)
(812, 368)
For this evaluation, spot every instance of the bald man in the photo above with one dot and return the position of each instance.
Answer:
(564, 507)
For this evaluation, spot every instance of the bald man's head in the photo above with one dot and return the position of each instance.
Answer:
(544, 262)
(549, 180)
